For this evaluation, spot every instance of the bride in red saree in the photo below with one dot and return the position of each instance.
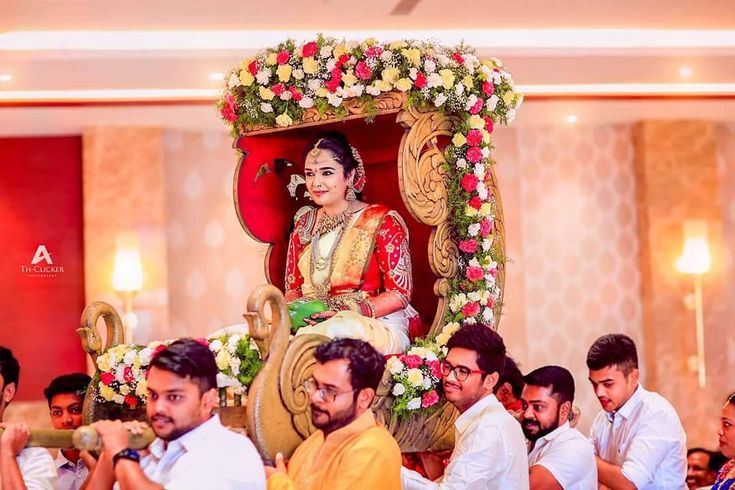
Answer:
(349, 254)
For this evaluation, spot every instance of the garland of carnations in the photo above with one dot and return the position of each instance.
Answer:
(278, 85)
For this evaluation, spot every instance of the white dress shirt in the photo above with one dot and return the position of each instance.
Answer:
(489, 453)
(568, 456)
(70, 476)
(37, 467)
(210, 457)
(646, 439)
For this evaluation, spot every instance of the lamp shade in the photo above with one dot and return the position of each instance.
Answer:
(127, 275)
(695, 257)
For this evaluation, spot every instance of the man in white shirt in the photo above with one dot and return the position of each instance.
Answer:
(193, 450)
(638, 438)
(489, 448)
(21, 468)
(560, 456)
(65, 396)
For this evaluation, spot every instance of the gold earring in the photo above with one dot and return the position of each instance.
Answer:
(351, 196)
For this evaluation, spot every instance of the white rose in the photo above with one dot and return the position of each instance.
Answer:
(461, 163)
(486, 244)
(497, 79)
(486, 151)
(130, 357)
(215, 345)
(120, 375)
(145, 356)
(491, 103)
(224, 381)
(394, 365)
(298, 74)
(334, 100)
(473, 296)
(430, 356)
(482, 190)
(427, 383)
(234, 340)
(429, 66)
(489, 280)
(443, 60)
(510, 115)
(386, 56)
(266, 107)
(119, 399)
(356, 90)
(413, 72)
(331, 63)
(488, 72)
(235, 365)
(434, 80)
(124, 389)
(234, 81)
(286, 95)
(415, 377)
(459, 90)
(414, 404)
(471, 100)
(326, 51)
(487, 314)
(314, 84)
(372, 90)
(479, 170)
(398, 389)
(473, 229)
(306, 103)
(474, 263)
(439, 100)
(263, 76)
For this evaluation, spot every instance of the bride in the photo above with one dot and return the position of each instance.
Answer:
(351, 255)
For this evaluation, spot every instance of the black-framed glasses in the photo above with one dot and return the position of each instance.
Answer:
(326, 394)
(461, 373)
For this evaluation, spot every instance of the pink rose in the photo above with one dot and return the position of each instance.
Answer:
(128, 375)
(475, 273)
(435, 368)
(374, 51)
(309, 49)
(296, 95)
(475, 203)
(474, 137)
(283, 57)
(429, 399)
(475, 109)
(469, 182)
(342, 60)
(420, 81)
(488, 124)
(363, 71)
(413, 361)
(458, 58)
(107, 378)
(474, 154)
(253, 67)
(468, 246)
(471, 309)
(486, 227)
(488, 88)
(229, 109)
(332, 84)
(490, 303)
(278, 89)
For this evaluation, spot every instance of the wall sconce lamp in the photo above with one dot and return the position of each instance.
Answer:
(695, 260)
(127, 279)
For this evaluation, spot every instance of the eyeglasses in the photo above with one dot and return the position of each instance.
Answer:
(461, 373)
(326, 394)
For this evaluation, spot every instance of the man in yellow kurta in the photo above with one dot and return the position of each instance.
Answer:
(350, 450)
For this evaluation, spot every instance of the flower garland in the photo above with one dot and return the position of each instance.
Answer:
(277, 86)
(122, 373)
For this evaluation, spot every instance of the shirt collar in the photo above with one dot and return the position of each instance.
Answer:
(553, 434)
(475, 411)
(629, 405)
(189, 440)
(360, 424)
(62, 460)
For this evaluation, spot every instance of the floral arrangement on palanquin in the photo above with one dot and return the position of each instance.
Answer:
(277, 86)
(121, 377)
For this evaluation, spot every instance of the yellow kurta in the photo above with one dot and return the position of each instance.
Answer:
(361, 456)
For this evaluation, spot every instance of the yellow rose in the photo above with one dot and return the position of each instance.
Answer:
(246, 78)
(489, 63)
(382, 85)
(442, 339)
(398, 45)
(404, 84)
(245, 63)
(415, 377)
(284, 120)
(266, 93)
(142, 389)
(223, 359)
(413, 55)
(468, 82)
(271, 59)
(390, 74)
(284, 72)
(476, 122)
(321, 92)
(470, 211)
(310, 65)
(349, 79)
(106, 392)
(508, 98)
(103, 362)
(485, 136)
(486, 209)
(447, 77)
(459, 139)
(339, 50)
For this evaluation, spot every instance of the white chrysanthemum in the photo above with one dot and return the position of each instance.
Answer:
(223, 381)
(286, 95)
(266, 107)
(444, 60)
(372, 90)
(398, 389)
(306, 102)
(119, 399)
(434, 80)
(233, 341)
(334, 100)
(215, 345)
(482, 191)
(394, 365)
(326, 51)
(473, 296)
(263, 76)
(510, 115)
(413, 72)
(486, 244)
(234, 81)
(462, 163)
(298, 74)
(415, 377)
(414, 404)
(471, 100)
(130, 357)
(473, 229)
(457, 302)
(386, 56)
(314, 84)
(145, 356)
(440, 100)
(429, 66)
(491, 103)
(487, 314)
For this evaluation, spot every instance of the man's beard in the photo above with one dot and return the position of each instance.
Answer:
(533, 437)
(334, 422)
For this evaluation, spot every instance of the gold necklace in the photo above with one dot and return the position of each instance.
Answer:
(327, 223)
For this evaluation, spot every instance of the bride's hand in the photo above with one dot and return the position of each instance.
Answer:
(321, 316)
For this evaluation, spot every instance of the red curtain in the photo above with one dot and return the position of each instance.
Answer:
(42, 260)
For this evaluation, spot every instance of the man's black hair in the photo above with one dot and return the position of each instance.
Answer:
(9, 367)
(486, 343)
(366, 364)
(187, 358)
(614, 349)
(557, 378)
(74, 383)
(513, 376)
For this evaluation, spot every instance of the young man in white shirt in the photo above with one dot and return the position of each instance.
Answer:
(560, 456)
(21, 468)
(193, 450)
(65, 396)
(638, 438)
(489, 448)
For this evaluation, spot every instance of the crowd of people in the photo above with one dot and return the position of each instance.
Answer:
(525, 441)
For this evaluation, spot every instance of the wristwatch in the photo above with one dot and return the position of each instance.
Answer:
(127, 453)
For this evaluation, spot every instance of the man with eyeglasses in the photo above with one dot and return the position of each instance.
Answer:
(489, 448)
(350, 449)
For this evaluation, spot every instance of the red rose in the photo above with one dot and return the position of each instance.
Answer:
(229, 109)
(488, 88)
(297, 96)
(486, 227)
(278, 89)
(107, 378)
(468, 246)
(363, 71)
(475, 109)
(131, 401)
(202, 341)
(476, 202)
(283, 57)
(429, 399)
(374, 51)
(474, 154)
(469, 182)
(342, 60)
(490, 303)
(488, 124)
(412, 361)
(309, 49)
(253, 67)
(128, 375)
(471, 309)
(474, 137)
(420, 81)
(435, 368)
(474, 273)
(336, 74)
(332, 84)
(458, 58)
